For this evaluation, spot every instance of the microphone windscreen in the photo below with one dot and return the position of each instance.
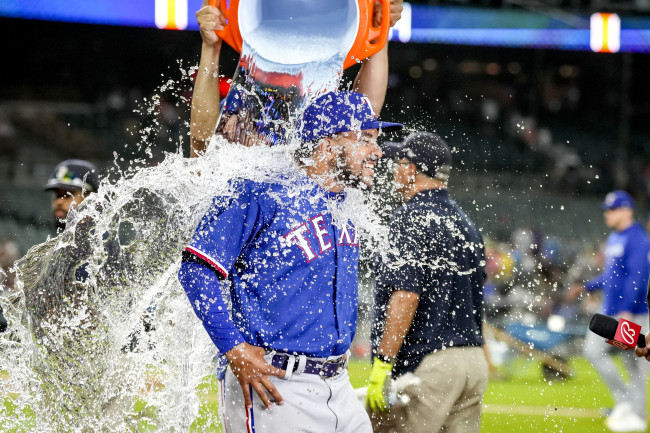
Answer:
(604, 326)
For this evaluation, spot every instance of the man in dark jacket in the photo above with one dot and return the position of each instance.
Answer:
(428, 300)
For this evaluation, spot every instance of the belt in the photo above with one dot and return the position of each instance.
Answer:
(323, 367)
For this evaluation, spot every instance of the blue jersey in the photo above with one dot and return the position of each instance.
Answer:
(293, 273)
(626, 271)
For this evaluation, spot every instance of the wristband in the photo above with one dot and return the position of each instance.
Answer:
(387, 359)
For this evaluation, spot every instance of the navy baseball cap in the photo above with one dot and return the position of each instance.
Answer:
(72, 175)
(428, 151)
(616, 199)
(336, 112)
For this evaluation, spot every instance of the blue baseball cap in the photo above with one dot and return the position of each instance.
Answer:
(616, 199)
(336, 112)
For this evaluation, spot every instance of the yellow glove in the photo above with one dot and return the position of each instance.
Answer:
(379, 387)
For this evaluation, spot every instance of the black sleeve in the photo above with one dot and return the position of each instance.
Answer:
(3, 321)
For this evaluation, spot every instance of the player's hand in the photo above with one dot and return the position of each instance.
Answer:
(644, 351)
(395, 12)
(396, 9)
(210, 19)
(377, 396)
(252, 371)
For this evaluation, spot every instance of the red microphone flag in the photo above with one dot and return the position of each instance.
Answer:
(627, 334)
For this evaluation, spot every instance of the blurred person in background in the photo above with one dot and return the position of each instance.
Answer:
(623, 281)
(71, 182)
(428, 313)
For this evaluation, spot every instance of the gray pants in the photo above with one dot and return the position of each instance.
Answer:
(601, 355)
(311, 405)
(447, 400)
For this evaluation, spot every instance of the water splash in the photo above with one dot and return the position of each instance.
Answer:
(78, 354)
(290, 54)
(98, 318)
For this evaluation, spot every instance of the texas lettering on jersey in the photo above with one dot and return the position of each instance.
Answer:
(314, 237)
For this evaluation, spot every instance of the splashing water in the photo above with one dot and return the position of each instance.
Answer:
(78, 353)
(98, 318)
(290, 54)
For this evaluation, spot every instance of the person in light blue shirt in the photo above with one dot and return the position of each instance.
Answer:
(623, 282)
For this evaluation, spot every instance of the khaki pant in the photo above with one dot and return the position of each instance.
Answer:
(448, 399)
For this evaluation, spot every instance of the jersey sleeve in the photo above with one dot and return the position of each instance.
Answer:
(404, 264)
(203, 289)
(226, 229)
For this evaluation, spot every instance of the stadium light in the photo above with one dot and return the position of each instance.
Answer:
(605, 35)
(171, 14)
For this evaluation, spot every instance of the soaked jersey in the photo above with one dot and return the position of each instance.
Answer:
(625, 275)
(293, 273)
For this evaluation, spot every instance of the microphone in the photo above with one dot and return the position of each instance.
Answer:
(624, 334)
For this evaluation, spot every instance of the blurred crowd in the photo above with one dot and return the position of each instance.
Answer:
(530, 113)
(530, 273)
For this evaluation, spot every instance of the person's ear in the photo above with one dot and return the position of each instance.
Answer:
(327, 148)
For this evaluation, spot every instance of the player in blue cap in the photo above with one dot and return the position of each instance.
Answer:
(623, 281)
(290, 273)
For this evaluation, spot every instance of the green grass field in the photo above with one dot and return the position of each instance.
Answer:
(518, 399)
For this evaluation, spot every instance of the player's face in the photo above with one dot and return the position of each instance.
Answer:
(355, 157)
(618, 218)
(64, 201)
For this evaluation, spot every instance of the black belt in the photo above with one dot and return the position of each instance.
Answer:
(325, 368)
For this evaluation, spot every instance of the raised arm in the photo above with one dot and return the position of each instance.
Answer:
(372, 79)
(205, 97)
(401, 309)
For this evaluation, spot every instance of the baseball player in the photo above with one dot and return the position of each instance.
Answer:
(291, 276)
(623, 282)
